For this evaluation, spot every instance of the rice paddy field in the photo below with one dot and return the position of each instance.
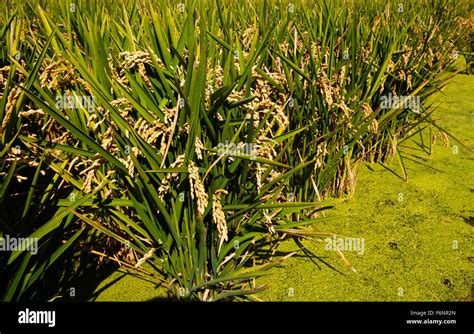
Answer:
(250, 150)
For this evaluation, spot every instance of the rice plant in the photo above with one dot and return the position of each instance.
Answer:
(196, 136)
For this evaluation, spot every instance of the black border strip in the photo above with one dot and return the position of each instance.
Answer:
(156, 315)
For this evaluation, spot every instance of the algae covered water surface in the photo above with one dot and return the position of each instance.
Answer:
(418, 239)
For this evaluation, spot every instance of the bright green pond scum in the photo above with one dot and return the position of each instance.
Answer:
(418, 235)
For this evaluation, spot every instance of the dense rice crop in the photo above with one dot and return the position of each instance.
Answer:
(195, 136)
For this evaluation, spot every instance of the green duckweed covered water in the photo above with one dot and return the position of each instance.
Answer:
(418, 235)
